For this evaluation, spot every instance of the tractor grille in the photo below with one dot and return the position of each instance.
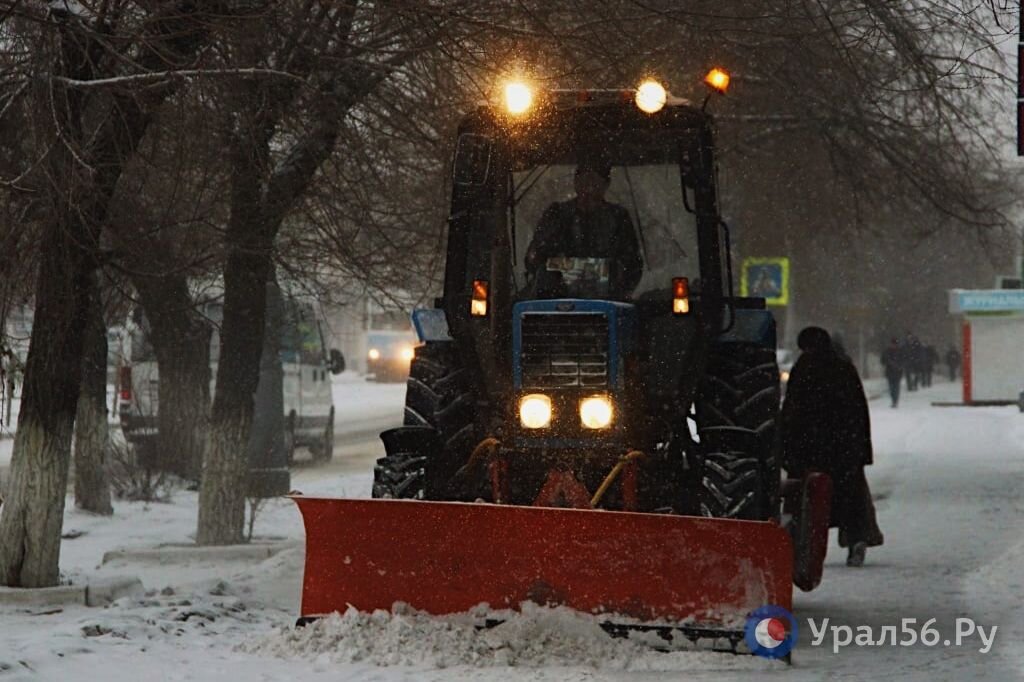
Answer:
(564, 350)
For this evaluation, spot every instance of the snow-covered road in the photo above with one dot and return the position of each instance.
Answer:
(947, 484)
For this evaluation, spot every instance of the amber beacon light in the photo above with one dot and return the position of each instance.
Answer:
(717, 79)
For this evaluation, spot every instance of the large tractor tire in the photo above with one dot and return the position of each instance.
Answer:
(737, 410)
(439, 432)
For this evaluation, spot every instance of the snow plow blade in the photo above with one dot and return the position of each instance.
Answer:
(447, 557)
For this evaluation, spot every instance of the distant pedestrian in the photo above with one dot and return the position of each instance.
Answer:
(929, 358)
(912, 360)
(826, 427)
(953, 362)
(892, 362)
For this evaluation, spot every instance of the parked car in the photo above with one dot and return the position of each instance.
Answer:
(305, 382)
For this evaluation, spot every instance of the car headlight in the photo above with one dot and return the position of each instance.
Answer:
(596, 412)
(784, 376)
(374, 354)
(407, 353)
(535, 411)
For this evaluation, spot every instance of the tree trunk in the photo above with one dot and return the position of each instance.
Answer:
(225, 471)
(184, 398)
(92, 480)
(33, 511)
(181, 342)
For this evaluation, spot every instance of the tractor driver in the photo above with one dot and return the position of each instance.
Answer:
(586, 227)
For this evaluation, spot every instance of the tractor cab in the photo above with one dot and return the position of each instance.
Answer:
(585, 262)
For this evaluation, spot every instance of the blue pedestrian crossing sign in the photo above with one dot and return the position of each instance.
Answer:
(766, 278)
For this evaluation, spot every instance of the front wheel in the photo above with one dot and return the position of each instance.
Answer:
(737, 411)
(439, 434)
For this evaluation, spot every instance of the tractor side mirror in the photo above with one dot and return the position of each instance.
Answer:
(472, 160)
(337, 362)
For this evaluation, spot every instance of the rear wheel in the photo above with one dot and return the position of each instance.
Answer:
(736, 417)
(324, 450)
(289, 439)
(439, 432)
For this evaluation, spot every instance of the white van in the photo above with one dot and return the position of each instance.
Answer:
(306, 383)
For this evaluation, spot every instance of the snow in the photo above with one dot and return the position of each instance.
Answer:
(357, 400)
(535, 638)
(947, 483)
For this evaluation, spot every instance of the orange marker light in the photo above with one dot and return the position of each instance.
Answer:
(680, 295)
(478, 304)
(717, 79)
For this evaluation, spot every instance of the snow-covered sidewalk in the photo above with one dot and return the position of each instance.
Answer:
(947, 484)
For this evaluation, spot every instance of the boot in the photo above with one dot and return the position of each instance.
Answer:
(857, 552)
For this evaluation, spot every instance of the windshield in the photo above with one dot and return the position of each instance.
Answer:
(300, 334)
(587, 231)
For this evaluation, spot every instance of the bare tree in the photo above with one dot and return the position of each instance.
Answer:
(85, 135)
(280, 134)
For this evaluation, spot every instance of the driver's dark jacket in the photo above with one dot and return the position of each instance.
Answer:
(605, 232)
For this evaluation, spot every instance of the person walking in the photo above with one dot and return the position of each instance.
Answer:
(912, 360)
(892, 362)
(953, 362)
(929, 358)
(826, 427)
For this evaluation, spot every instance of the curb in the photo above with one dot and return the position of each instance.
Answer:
(103, 591)
(176, 554)
(98, 591)
(60, 595)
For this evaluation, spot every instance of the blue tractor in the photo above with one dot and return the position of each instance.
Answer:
(590, 419)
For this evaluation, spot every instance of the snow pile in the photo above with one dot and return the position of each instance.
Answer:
(537, 637)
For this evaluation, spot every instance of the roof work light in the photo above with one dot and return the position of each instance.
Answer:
(518, 98)
(651, 96)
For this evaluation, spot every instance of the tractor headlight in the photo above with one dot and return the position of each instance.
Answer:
(535, 411)
(374, 354)
(596, 412)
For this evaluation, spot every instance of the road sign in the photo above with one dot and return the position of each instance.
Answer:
(986, 300)
(766, 278)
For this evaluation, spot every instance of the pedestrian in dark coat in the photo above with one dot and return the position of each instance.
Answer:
(892, 362)
(912, 361)
(953, 362)
(929, 358)
(826, 427)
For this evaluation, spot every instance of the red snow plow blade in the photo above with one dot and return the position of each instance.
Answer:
(446, 557)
